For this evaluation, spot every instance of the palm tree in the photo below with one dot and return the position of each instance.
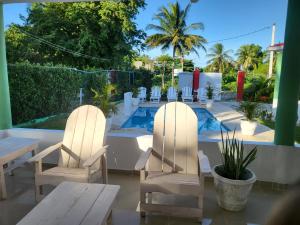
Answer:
(219, 58)
(250, 56)
(173, 31)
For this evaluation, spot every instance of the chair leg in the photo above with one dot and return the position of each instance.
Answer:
(38, 192)
(200, 206)
(142, 201)
(149, 197)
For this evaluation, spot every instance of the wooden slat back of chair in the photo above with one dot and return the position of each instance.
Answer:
(84, 135)
(175, 140)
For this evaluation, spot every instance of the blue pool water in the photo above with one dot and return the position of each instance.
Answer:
(143, 117)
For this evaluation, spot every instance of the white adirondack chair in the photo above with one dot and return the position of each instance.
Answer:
(187, 94)
(173, 165)
(142, 94)
(172, 94)
(82, 156)
(201, 96)
(155, 94)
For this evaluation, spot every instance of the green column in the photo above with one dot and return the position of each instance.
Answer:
(5, 111)
(277, 80)
(286, 116)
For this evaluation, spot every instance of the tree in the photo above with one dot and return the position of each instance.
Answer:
(219, 58)
(250, 56)
(174, 32)
(164, 62)
(99, 34)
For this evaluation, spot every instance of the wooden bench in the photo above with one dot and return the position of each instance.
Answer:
(12, 148)
(73, 203)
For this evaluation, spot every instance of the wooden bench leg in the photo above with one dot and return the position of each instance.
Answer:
(2, 183)
(142, 201)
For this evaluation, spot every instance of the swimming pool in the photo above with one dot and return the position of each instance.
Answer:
(143, 117)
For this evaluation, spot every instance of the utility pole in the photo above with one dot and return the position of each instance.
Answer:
(272, 52)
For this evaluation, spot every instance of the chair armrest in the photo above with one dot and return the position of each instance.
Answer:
(142, 161)
(203, 163)
(90, 161)
(45, 152)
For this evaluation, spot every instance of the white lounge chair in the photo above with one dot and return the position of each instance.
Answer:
(155, 94)
(82, 156)
(172, 94)
(187, 94)
(173, 164)
(217, 92)
(142, 94)
(201, 96)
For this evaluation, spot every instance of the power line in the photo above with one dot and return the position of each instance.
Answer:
(61, 48)
(241, 35)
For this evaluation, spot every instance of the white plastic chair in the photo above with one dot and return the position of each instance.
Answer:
(187, 94)
(155, 94)
(172, 94)
(201, 96)
(142, 94)
(217, 92)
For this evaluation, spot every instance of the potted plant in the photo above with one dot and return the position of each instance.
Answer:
(209, 94)
(232, 179)
(248, 124)
(135, 99)
(102, 100)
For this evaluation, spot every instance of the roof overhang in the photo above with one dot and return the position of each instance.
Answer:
(31, 1)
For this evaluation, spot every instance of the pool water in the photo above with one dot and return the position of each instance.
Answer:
(143, 117)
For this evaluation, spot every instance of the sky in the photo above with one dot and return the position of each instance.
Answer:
(222, 19)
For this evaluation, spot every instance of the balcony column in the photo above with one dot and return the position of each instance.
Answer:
(287, 109)
(5, 110)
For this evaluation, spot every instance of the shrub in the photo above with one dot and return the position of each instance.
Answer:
(249, 109)
(39, 91)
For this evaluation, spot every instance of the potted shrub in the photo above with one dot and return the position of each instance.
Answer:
(209, 94)
(102, 100)
(135, 99)
(248, 124)
(232, 179)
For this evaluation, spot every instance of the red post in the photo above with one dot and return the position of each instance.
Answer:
(240, 85)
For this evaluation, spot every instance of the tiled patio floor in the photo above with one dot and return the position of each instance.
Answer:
(21, 201)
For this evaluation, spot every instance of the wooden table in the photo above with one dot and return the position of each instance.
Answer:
(12, 148)
(73, 203)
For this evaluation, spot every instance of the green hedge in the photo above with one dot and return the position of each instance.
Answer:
(38, 91)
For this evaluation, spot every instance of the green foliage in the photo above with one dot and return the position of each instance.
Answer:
(174, 32)
(234, 161)
(219, 58)
(259, 88)
(135, 92)
(39, 91)
(209, 91)
(250, 56)
(249, 109)
(105, 30)
(102, 99)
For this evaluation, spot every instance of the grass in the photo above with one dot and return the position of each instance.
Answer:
(271, 124)
(57, 122)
